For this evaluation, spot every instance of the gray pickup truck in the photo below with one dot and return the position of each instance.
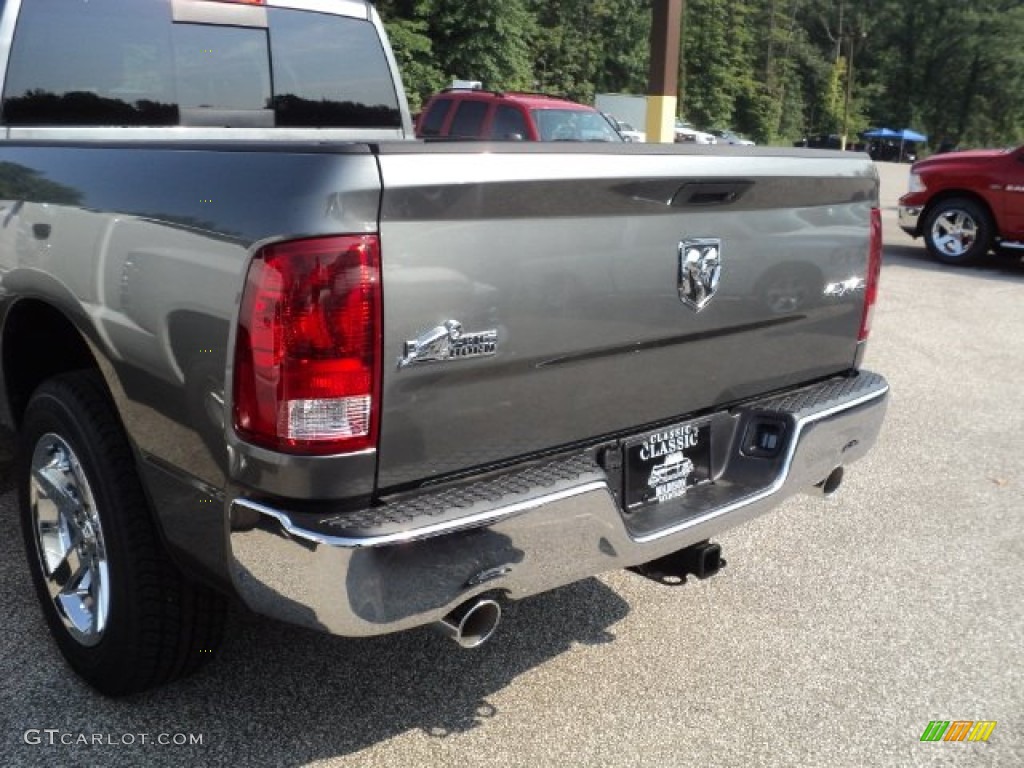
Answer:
(258, 343)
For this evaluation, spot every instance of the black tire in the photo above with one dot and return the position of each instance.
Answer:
(958, 231)
(134, 622)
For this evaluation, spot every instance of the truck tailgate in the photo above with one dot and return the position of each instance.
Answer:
(535, 297)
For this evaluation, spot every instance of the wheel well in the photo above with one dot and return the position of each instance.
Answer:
(38, 342)
(950, 194)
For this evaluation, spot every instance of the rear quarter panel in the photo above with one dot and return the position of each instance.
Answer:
(145, 249)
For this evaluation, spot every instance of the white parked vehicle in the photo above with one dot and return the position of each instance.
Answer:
(626, 130)
(731, 137)
(686, 133)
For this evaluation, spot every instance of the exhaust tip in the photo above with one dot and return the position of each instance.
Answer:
(831, 484)
(473, 623)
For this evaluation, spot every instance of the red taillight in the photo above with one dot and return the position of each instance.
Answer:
(307, 354)
(874, 270)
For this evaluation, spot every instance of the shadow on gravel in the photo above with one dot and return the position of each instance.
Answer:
(280, 695)
(1004, 266)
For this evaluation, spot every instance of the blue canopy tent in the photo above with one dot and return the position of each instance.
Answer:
(881, 133)
(904, 136)
(908, 135)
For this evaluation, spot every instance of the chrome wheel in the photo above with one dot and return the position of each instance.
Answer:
(120, 612)
(69, 539)
(954, 232)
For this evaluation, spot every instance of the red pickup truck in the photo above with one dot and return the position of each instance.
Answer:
(966, 203)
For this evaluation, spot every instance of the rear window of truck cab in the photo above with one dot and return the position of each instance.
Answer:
(509, 124)
(433, 121)
(195, 62)
(468, 122)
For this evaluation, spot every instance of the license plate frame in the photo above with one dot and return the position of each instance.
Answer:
(664, 464)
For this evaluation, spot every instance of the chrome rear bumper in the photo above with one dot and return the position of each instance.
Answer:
(413, 559)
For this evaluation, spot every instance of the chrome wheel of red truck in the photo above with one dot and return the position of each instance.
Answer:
(958, 231)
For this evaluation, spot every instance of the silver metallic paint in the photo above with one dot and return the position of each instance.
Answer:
(578, 273)
(144, 235)
(144, 249)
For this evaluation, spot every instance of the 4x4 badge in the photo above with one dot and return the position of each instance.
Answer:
(700, 268)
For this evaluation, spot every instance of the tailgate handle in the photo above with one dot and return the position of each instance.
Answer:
(710, 193)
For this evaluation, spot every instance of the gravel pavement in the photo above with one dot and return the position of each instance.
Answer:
(839, 629)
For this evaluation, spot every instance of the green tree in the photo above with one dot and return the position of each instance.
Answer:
(414, 53)
(408, 32)
(952, 68)
(624, 55)
(718, 63)
(488, 40)
(567, 49)
(776, 69)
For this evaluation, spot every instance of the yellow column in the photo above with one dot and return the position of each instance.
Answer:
(661, 119)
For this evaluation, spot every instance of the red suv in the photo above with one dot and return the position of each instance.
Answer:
(495, 116)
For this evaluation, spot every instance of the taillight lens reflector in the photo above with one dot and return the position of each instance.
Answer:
(307, 354)
(874, 271)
